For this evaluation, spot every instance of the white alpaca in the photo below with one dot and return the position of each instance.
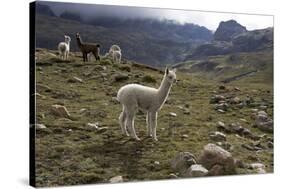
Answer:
(150, 100)
(114, 53)
(64, 48)
(115, 48)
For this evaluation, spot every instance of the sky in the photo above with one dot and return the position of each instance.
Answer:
(210, 20)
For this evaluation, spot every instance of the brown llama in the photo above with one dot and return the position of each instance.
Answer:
(87, 48)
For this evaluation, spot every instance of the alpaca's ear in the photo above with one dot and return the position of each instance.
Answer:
(167, 70)
(174, 70)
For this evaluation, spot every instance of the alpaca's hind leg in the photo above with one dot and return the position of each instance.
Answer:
(66, 55)
(154, 124)
(84, 59)
(148, 124)
(130, 114)
(122, 121)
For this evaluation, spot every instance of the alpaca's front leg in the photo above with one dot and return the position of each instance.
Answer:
(130, 126)
(154, 124)
(148, 124)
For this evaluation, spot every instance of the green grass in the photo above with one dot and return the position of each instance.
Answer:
(70, 152)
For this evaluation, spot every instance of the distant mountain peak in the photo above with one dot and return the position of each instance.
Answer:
(228, 29)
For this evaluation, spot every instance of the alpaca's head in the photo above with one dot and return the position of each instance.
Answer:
(170, 75)
(77, 35)
(67, 39)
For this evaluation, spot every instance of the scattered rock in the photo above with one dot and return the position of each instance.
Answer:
(40, 126)
(173, 176)
(156, 162)
(235, 100)
(216, 98)
(222, 87)
(222, 106)
(93, 125)
(237, 89)
(116, 179)
(259, 167)
(221, 111)
(213, 155)
(82, 110)
(182, 162)
(172, 114)
(196, 170)
(185, 136)
(217, 136)
(75, 80)
(97, 127)
(60, 111)
(263, 122)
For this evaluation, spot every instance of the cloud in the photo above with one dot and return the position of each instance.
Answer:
(210, 20)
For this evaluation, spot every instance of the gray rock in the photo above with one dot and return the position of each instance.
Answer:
(196, 170)
(116, 179)
(217, 136)
(60, 111)
(182, 162)
(263, 122)
(213, 155)
(40, 126)
(172, 114)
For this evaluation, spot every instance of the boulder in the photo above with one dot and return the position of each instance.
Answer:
(60, 111)
(213, 155)
(116, 179)
(263, 122)
(196, 170)
(182, 162)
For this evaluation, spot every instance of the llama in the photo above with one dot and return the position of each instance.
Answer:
(64, 48)
(150, 100)
(87, 48)
(115, 48)
(114, 53)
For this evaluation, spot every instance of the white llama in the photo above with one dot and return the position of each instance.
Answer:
(115, 48)
(64, 48)
(150, 100)
(114, 53)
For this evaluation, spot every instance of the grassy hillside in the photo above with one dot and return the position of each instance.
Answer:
(223, 67)
(71, 151)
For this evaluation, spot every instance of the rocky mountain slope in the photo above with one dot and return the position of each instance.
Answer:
(231, 37)
(79, 141)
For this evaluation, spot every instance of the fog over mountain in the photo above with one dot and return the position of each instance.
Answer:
(210, 20)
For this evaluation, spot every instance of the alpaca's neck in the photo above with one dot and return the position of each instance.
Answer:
(163, 90)
(79, 41)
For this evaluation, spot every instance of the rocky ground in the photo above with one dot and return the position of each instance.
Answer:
(204, 129)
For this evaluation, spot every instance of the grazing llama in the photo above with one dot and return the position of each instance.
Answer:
(64, 48)
(150, 100)
(114, 53)
(87, 48)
